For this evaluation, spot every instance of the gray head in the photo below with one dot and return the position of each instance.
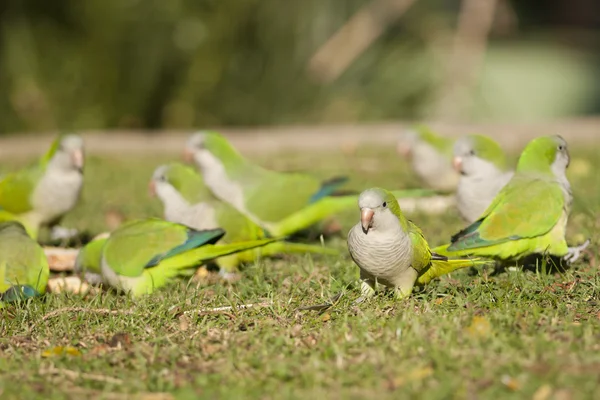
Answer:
(379, 210)
(68, 155)
(159, 181)
(476, 154)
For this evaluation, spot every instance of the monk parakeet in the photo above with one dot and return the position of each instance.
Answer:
(143, 255)
(391, 250)
(188, 201)
(281, 203)
(42, 193)
(24, 268)
(430, 157)
(483, 172)
(529, 215)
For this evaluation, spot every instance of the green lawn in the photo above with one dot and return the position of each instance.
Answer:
(468, 335)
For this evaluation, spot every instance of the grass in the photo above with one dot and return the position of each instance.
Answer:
(469, 335)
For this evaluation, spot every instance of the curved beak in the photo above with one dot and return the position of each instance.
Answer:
(77, 159)
(152, 188)
(188, 155)
(457, 164)
(366, 218)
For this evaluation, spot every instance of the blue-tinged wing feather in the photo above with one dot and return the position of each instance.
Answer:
(195, 239)
(328, 188)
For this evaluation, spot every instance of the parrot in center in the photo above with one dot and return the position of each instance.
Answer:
(391, 250)
(24, 267)
(188, 201)
(281, 203)
(143, 255)
(43, 192)
(481, 164)
(529, 215)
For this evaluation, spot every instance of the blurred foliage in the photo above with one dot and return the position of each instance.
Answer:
(93, 64)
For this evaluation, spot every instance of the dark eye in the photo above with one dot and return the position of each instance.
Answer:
(561, 147)
(472, 152)
(384, 204)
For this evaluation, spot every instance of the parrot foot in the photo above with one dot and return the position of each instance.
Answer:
(402, 294)
(367, 290)
(575, 252)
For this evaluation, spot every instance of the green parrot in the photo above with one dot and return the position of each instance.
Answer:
(43, 192)
(390, 250)
(143, 255)
(188, 201)
(483, 172)
(280, 203)
(430, 157)
(24, 268)
(529, 215)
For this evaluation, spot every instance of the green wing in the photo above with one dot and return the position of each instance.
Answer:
(421, 253)
(22, 260)
(525, 208)
(16, 189)
(144, 244)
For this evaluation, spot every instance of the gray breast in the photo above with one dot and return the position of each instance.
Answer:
(384, 256)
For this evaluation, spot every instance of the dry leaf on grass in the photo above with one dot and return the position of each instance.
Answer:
(61, 351)
(480, 327)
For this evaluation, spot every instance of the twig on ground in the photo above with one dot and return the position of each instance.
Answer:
(224, 309)
(83, 375)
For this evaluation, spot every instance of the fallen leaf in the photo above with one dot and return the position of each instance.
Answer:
(480, 327)
(61, 351)
(325, 317)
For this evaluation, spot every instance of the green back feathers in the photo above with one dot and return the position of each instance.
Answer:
(223, 150)
(539, 154)
(189, 183)
(487, 149)
(16, 188)
(442, 144)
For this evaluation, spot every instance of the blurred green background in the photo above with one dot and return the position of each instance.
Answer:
(178, 64)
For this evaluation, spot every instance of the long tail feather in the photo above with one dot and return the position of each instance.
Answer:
(295, 248)
(439, 268)
(210, 252)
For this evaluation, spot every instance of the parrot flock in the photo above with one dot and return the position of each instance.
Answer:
(223, 210)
